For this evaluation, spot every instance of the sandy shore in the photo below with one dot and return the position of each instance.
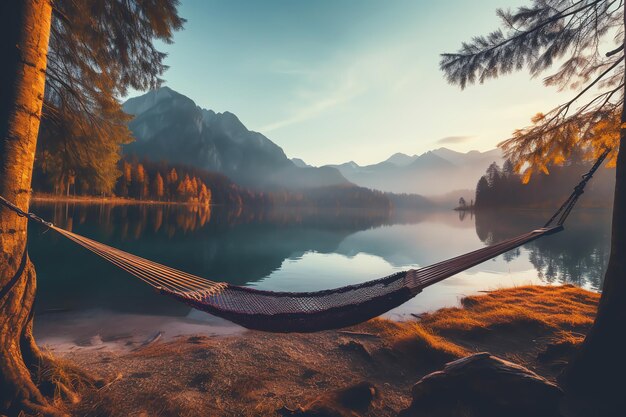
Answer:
(96, 330)
(229, 371)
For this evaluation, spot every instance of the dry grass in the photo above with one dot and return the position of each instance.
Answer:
(531, 307)
(561, 347)
(414, 338)
(255, 374)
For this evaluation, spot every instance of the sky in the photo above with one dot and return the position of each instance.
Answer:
(332, 81)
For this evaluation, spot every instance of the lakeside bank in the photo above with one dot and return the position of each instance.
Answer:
(249, 373)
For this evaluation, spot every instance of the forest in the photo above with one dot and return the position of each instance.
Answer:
(503, 187)
(166, 182)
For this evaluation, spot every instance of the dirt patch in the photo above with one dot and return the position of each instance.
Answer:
(256, 374)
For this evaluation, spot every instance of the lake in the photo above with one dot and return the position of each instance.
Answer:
(81, 295)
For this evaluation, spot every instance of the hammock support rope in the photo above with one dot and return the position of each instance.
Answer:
(305, 311)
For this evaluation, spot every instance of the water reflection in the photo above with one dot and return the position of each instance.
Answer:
(240, 247)
(578, 255)
(299, 250)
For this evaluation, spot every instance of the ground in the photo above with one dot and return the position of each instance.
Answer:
(256, 374)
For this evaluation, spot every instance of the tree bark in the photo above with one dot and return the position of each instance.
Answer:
(24, 33)
(598, 372)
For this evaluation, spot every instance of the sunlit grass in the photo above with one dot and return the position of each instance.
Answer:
(550, 307)
(413, 336)
(556, 310)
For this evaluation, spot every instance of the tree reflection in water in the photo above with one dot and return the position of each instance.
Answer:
(578, 255)
(236, 245)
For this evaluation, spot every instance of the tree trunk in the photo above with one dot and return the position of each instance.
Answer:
(598, 372)
(24, 33)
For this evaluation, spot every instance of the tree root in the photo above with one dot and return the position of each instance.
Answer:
(53, 383)
(32, 382)
(59, 380)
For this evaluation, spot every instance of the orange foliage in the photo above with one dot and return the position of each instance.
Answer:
(547, 142)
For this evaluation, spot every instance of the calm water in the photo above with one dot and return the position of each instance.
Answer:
(290, 250)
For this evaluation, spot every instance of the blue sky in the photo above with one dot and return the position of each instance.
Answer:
(338, 80)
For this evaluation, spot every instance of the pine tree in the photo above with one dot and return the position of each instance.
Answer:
(194, 186)
(172, 179)
(181, 191)
(508, 169)
(187, 188)
(173, 176)
(482, 192)
(157, 187)
(205, 194)
(493, 174)
(139, 180)
(577, 34)
(145, 190)
(81, 68)
(128, 175)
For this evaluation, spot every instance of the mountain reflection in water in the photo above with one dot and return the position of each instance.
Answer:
(300, 250)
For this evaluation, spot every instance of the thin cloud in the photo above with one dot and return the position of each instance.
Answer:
(453, 140)
(330, 86)
(317, 106)
(325, 90)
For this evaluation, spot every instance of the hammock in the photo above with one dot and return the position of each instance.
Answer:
(306, 311)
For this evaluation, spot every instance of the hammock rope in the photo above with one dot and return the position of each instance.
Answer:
(306, 311)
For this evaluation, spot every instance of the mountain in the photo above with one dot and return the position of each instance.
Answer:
(171, 127)
(300, 163)
(435, 172)
(401, 159)
(471, 157)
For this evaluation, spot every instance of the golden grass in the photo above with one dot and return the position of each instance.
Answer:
(550, 307)
(413, 337)
(438, 336)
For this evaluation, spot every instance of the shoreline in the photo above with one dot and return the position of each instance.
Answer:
(250, 373)
(51, 198)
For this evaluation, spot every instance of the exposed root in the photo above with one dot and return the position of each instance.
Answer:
(62, 381)
(53, 384)
(56, 379)
(29, 408)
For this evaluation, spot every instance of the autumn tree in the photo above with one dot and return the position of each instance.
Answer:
(181, 191)
(72, 146)
(186, 188)
(139, 180)
(157, 187)
(172, 179)
(585, 38)
(98, 49)
(126, 179)
(205, 194)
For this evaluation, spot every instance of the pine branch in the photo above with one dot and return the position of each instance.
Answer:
(553, 19)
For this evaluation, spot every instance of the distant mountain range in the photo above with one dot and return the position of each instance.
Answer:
(171, 127)
(435, 172)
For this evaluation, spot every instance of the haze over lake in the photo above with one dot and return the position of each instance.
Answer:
(290, 250)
